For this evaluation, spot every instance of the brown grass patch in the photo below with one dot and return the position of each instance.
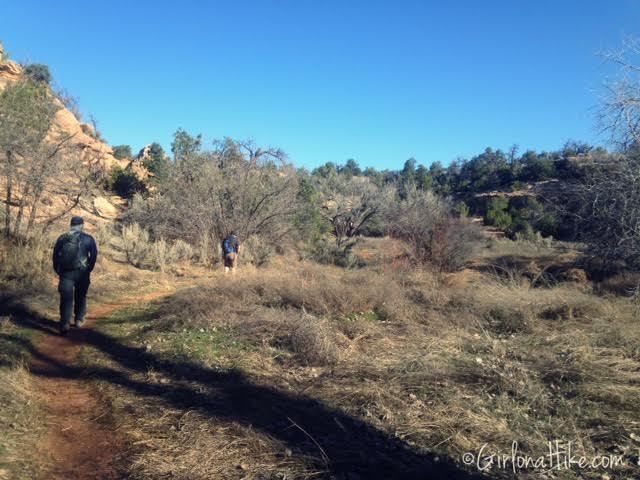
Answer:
(21, 425)
(447, 364)
(314, 341)
(192, 446)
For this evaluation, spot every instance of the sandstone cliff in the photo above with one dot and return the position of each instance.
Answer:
(96, 155)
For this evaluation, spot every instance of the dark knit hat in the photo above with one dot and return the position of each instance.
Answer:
(76, 221)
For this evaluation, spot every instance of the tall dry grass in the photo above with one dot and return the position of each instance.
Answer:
(21, 422)
(447, 363)
(21, 425)
(26, 265)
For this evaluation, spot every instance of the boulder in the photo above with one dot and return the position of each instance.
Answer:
(104, 208)
(10, 70)
(88, 129)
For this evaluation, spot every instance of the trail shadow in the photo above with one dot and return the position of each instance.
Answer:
(11, 306)
(354, 449)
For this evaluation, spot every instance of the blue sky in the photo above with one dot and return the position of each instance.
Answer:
(378, 81)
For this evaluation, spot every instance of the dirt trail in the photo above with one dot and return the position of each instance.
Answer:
(80, 445)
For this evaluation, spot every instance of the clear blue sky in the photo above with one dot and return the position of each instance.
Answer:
(378, 81)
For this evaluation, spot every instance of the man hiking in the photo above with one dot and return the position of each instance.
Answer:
(74, 257)
(230, 249)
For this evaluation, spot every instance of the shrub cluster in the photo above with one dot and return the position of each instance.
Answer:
(433, 233)
(38, 73)
(125, 182)
(142, 252)
(122, 151)
(521, 217)
(25, 265)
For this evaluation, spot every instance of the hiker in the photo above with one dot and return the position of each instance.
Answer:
(74, 257)
(230, 249)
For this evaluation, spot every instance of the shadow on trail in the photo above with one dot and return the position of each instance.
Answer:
(353, 448)
(13, 307)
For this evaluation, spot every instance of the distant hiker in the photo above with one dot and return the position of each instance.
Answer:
(74, 257)
(230, 249)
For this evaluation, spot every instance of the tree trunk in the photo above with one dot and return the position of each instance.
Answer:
(32, 213)
(50, 221)
(39, 188)
(7, 219)
(21, 205)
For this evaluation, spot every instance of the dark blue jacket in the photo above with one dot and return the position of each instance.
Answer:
(88, 249)
(231, 244)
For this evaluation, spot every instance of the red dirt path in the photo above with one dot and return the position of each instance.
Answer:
(80, 442)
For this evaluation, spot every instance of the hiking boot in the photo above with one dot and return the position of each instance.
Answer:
(64, 328)
(79, 322)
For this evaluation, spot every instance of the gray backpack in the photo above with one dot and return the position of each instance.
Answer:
(71, 255)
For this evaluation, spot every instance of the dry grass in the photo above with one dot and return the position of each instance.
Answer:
(205, 448)
(20, 426)
(24, 266)
(447, 363)
(21, 423)
(314, 341)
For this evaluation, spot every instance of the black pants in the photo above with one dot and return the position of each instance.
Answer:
(73, 288)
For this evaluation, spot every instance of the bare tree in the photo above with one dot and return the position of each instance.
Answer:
(433, 233)
(235, 187)
(26, 114)
(620, 110)
(255, 193)
(45, 162)
(349, 204)
(603, 205)
(512, 155)
(68, 176)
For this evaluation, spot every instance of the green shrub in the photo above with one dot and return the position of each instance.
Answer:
(309, 221)
(125, 182)
(462, 209)
(517, 186)
(38, 73)
(375, 227)
(522, 229)
(122, 151)
(497, 214)
(156, 162)
(528, 217)
(325, 251)
(547, 224)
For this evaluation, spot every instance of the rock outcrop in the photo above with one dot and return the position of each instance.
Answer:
(9, 71)
(94, 150)
(95, 154)
(104, 208)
